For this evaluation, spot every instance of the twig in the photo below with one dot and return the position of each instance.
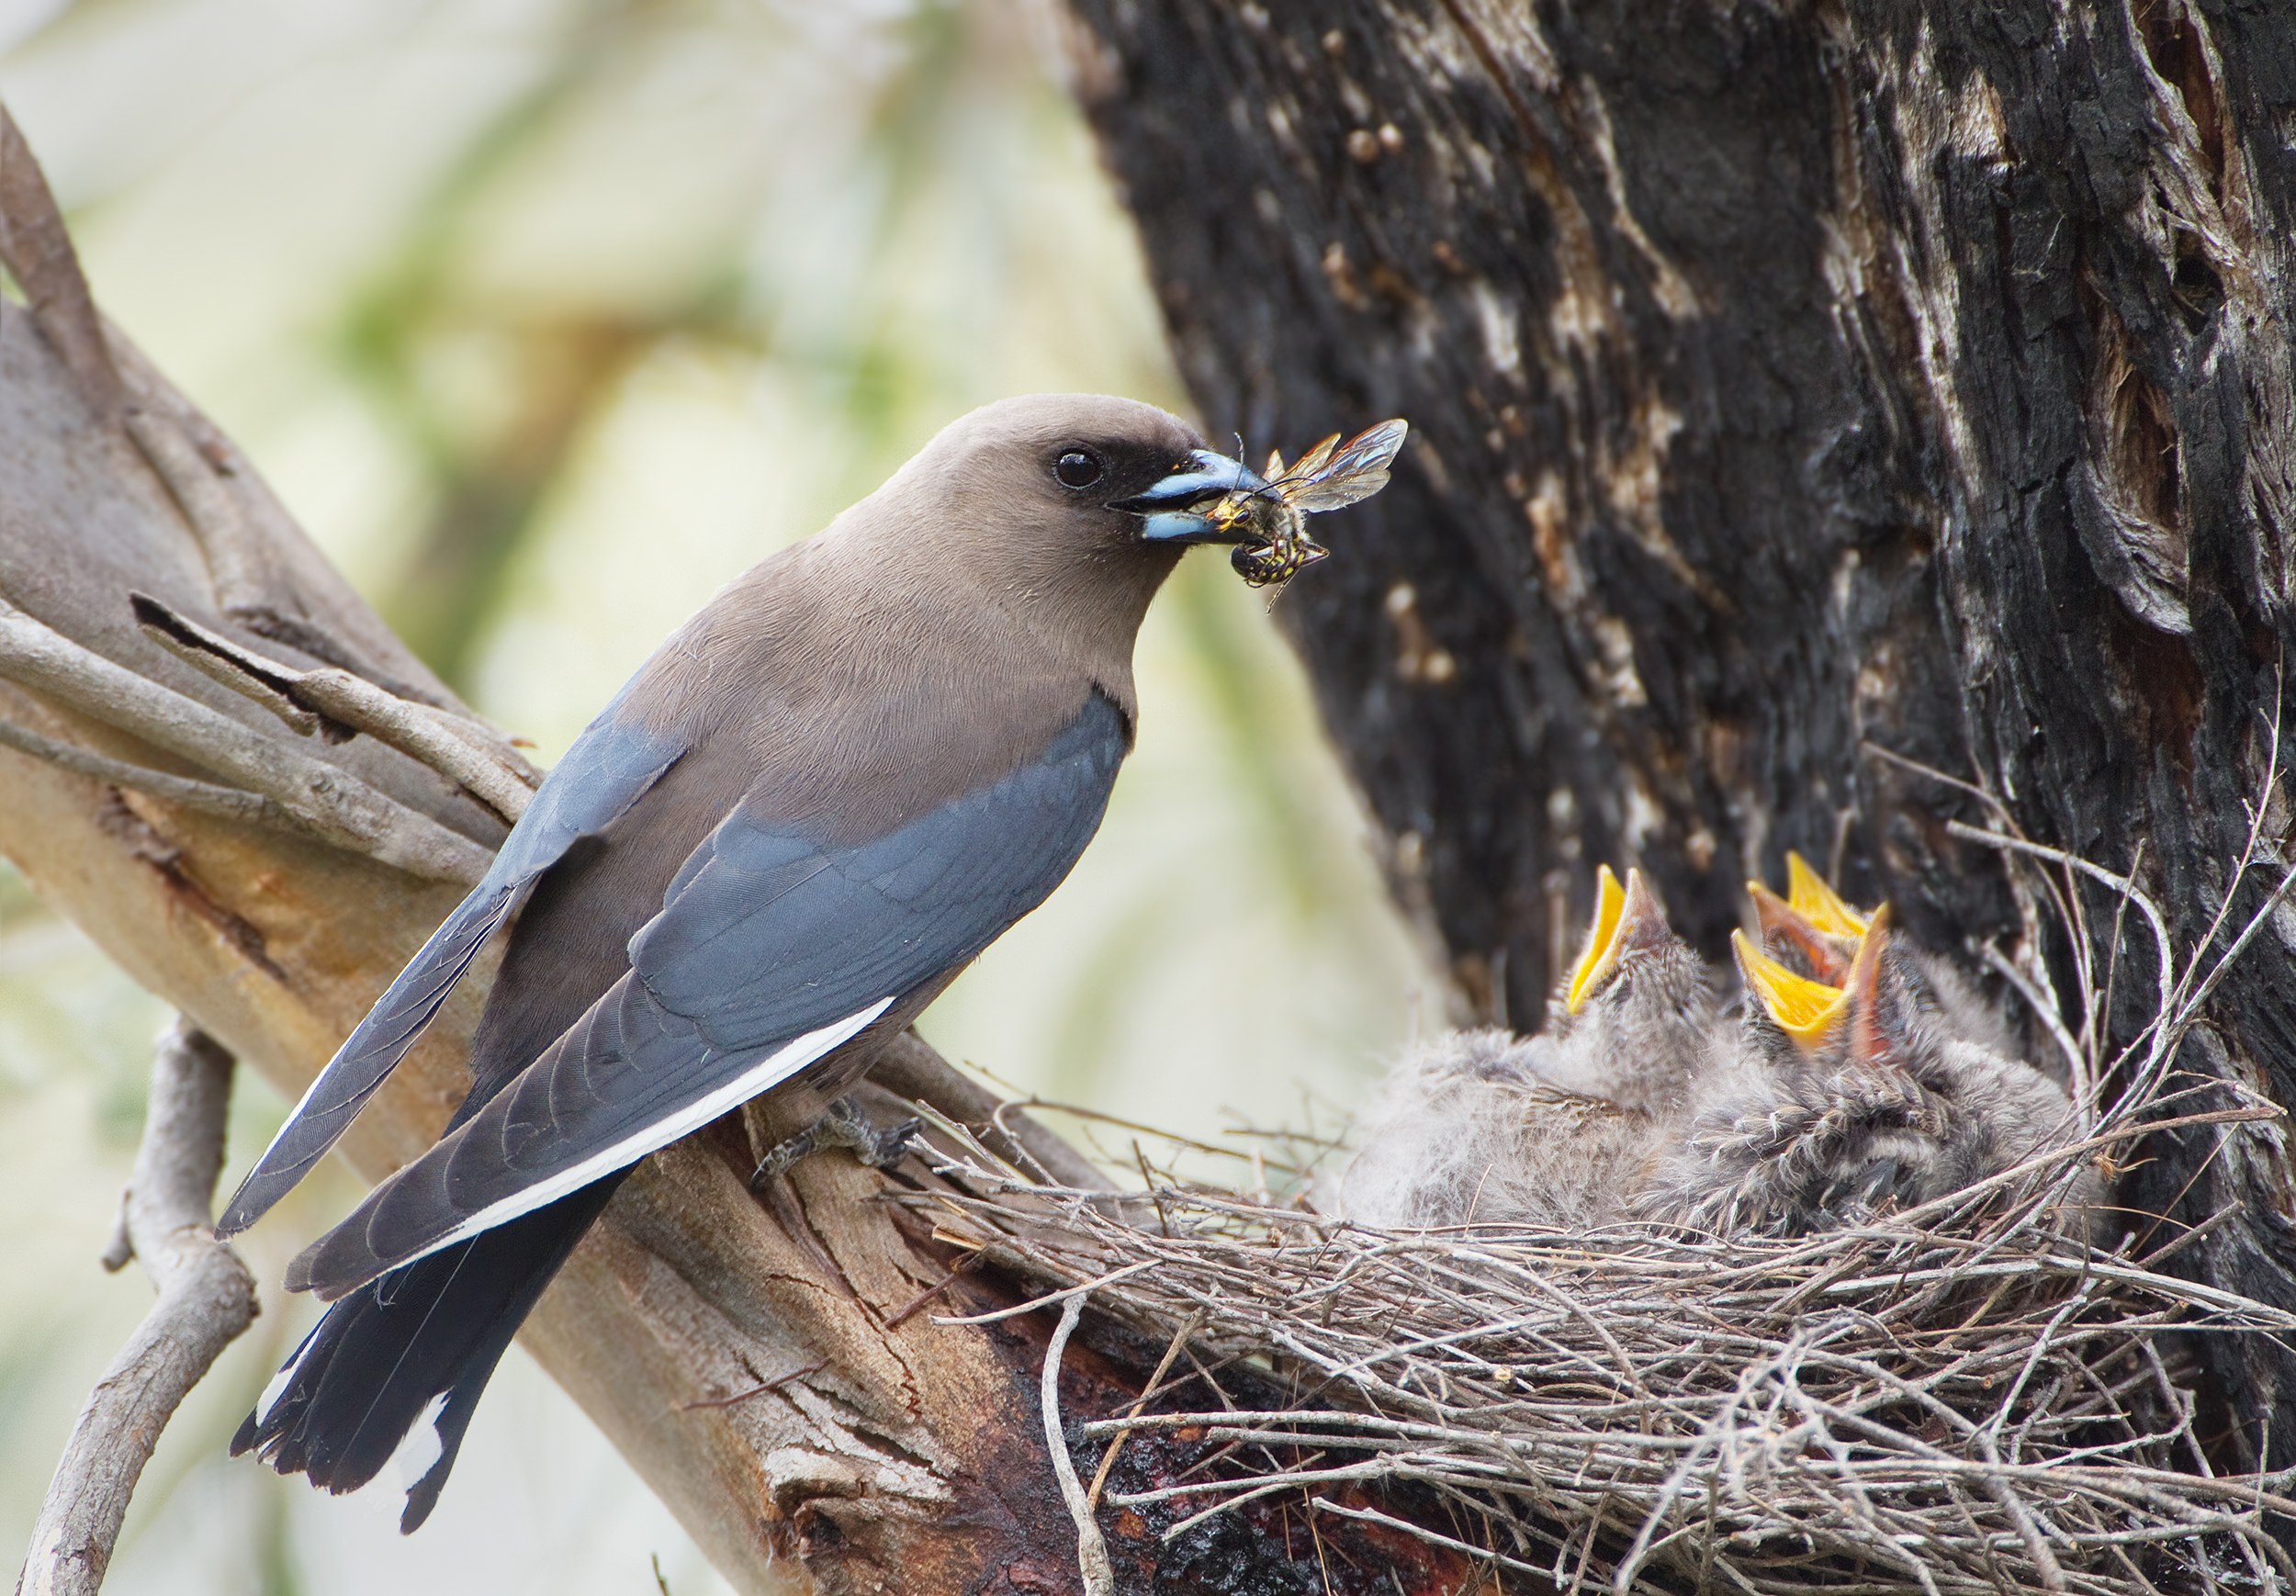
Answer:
(908, 1310)
(1092, 1551)
(316, 798)
(2127, 887)
(207, 797)
(37, 249)
(335, 703)
(759, 1390)
(1147, 1393)
(1070, 1295)
(231, 550)
(912, 1067)
(205, 1298)
(1388, 1520)
(2083, 1091)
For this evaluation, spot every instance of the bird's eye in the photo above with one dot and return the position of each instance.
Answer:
(1078, 468)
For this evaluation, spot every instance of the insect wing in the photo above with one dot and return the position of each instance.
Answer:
(1356, 471)
(1314, 462)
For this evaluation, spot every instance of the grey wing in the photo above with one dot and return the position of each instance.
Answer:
(772, 951)
(610, 768)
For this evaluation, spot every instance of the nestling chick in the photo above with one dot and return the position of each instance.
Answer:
(1635, 1020)
(1811, 930)
(1561, 1128)
(1463, 1132)
(1842, 1100)
(1814, 932)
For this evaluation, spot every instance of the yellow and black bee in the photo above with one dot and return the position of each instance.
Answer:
(1327, 477)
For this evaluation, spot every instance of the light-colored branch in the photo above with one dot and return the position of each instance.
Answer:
(207, 797)
(36, 250)
(1092, 1550)
(234, 551)
(321, 799)
(37, 247)
(207, 1298)
(330, 699)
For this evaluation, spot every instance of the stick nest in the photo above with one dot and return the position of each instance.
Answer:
(1959, 1398)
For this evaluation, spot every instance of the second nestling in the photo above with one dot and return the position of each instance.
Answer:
(1857, 1076)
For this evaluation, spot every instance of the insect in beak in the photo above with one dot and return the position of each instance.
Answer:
(1266, 519)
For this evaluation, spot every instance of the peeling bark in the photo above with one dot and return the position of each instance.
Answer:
(1785, 380)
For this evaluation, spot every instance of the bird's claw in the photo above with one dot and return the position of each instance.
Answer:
(843, 1124)
(891, 1145)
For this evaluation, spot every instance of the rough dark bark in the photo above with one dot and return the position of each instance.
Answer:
(1785, 379)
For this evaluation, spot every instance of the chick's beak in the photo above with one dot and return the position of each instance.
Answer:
(1785, 928)
(1625, 917)
(1806, 1010)
(1171, 511)
(1812, 897)
(1873, 1032)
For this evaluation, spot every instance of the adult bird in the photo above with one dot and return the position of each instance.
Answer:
(815, 805)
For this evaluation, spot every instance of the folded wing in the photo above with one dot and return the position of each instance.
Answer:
(772, 951)
(610, 767)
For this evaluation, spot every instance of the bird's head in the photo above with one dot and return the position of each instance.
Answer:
(1812, 930)
(1789, 1012)
(1637, 1010)
(1060, 489)
(1880, 1016)
(1630, 944)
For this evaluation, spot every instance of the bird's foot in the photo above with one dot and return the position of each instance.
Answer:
(843, 1124)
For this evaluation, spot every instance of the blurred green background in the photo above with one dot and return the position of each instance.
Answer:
(547, 317)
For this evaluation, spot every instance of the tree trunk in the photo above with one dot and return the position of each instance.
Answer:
(1787, 383)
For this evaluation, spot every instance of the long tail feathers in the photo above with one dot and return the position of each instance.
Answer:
(414, 1347)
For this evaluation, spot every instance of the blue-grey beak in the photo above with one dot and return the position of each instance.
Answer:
(1167, 510)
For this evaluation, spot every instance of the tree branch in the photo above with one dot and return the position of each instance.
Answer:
(338, 704)
(321, 798)
(207, 797)
(207, 1298)
(36, 247)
